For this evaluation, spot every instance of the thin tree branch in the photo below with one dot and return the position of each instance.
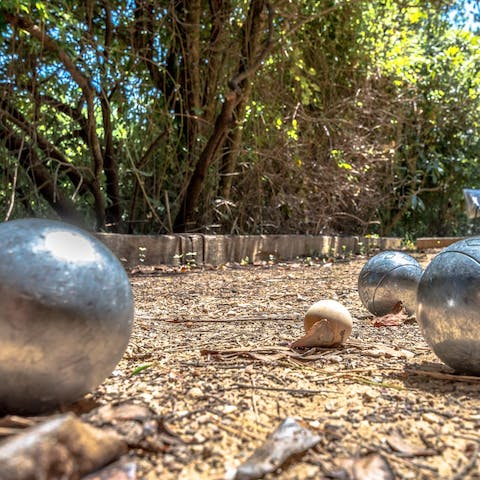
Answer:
(50, 44)
(257, 62)
(50, 151)
(39, 175)
(14, 183)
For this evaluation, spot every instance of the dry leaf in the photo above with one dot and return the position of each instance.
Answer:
(14, 421)
(122, 412)
(266, 358)
(137, 424)
(289, 439)
(370, 467)
(389, 352)
(392, 319)
(398, 307)
(116, 471)
(400, 445)
(12, 424)
(61, 447)
(84, 405)
(320, 334)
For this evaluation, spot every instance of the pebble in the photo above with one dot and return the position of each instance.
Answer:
(430, 418)
(370, 395)
(228, 409)
(199, 438)
(331, 406)
(195, 392)
(203, 419)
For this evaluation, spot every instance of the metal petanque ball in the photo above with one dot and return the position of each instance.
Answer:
(66, 313)
(387, 279)
(448, 305)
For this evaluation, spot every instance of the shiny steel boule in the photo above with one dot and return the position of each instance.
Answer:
(448, 305)
(66, 312)
(387, 279)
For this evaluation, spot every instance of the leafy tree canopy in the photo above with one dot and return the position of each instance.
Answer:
(244, 116)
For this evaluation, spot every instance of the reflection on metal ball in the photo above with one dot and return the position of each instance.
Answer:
(448, 305)
(387, 279)
(66, 313)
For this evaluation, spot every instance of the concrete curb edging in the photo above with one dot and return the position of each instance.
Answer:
(178, 249)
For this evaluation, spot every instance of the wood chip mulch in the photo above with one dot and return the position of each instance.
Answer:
(209, 356)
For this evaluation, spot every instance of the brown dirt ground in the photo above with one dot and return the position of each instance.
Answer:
(359, 398)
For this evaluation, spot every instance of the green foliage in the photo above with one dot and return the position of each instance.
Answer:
(434, 66)
(387, 108)
(363, 117)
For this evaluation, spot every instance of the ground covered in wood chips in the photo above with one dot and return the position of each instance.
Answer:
(209, 356)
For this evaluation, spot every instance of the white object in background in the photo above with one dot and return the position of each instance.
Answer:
(472, 199)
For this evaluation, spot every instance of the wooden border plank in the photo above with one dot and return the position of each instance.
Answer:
(435, 242)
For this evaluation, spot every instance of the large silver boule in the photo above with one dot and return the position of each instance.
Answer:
(66, 313)
(387, 279)
(448, 305)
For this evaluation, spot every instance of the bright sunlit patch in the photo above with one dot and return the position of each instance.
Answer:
(451, 302)
(69, 246)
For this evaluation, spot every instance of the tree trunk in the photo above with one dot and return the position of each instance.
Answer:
(186, 217)
(112, 211)
(251, 42)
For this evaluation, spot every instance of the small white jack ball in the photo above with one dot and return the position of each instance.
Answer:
(327, 323)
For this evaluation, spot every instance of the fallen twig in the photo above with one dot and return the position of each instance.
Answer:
(277, 352)
(235, 431)
(406, 461)
(276, 389)
(7, 431)
(443, 376)
(266, 318)
(254, 404)
(368, 381)
(469, 466)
